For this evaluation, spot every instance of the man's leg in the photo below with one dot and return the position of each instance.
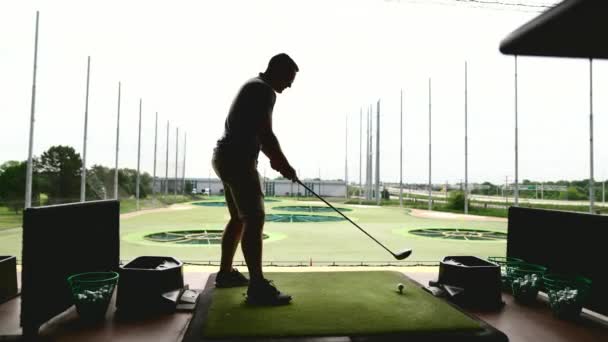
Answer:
(230, 240)
(251, 244)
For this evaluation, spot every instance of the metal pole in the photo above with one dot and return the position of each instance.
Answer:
(466, 142)
(138, 157)
(604, 192)
(83, 172)
(516, 189)
(155, 143)
(591, 185)
(378, 197)
(360, 149)
(430, 186)
(117, 144)
(184, 166)
(28, 174)
(176, 158)
(167, 163)
(401, 151)
(346, 158)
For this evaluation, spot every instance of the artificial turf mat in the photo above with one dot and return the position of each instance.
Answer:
(335, 304)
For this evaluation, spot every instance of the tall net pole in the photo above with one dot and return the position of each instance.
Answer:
(591, 182)
(184, 166)
(360, 150)
(83, 172)
(167, 163)
(28, 174)
(155, 143)
(117, 145)
(430, 185)
(378, 197)
(138, 158)
(346, 158)
(176, 158)
(401, 150)
(516, 185)
(466, 143)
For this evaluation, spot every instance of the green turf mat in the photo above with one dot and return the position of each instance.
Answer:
(335, 304)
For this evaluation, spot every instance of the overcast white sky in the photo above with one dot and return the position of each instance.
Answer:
(186, 59)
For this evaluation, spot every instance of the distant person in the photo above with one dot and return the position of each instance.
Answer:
(247, 130)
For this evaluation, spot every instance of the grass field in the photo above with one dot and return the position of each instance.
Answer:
(294, 243)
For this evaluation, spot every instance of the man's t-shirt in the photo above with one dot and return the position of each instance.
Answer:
(250, 108)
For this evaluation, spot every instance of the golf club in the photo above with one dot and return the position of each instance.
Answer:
(399, 256)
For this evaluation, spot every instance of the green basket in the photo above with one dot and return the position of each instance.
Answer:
(506, 265)
(567, 294)
(92, 292)
(526, 280)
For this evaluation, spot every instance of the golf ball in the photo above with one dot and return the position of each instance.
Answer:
(400, 287)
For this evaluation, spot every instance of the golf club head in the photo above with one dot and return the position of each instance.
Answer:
(403, 254)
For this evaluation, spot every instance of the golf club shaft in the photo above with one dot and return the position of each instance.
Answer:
(349, 220)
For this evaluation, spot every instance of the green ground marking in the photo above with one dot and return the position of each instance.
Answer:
(460, 234)
(309, 209)
(335, 304)
(298, 218)
(140, 238)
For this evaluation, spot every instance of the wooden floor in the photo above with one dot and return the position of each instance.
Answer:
(533, 323)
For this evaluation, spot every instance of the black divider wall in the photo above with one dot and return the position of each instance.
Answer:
(565, 242)
(59, 241)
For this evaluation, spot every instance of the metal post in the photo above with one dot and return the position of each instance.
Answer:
(28, 174)
(604, 192)
(184, 167)
(346, 158)
(430, 186)
(167, 163)
(83, 172)
(516, 186)
(466, 142)
(378, 197)
(155, 143)
(176, 158)
(360, 149)
(117, 145)
(401, 151)
(138, 157)
(591, 185)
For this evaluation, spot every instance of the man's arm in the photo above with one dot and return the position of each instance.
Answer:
(272, 149)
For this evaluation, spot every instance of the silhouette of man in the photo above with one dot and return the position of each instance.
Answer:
(247, 130)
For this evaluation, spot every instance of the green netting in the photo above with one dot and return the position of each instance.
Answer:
(301, 218)
(223, 203)
(189, 237)
(309, 209)
(460, 234)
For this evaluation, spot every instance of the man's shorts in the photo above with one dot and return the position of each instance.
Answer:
(242, 189)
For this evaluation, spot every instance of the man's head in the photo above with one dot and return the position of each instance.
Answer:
(281, 72)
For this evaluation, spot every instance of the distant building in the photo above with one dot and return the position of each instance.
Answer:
(276, 187)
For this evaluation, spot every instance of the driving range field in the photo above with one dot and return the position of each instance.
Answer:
(301, 232)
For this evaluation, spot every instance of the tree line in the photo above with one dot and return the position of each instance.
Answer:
(57, 176)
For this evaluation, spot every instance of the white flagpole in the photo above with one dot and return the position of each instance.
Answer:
(28, 174)
(83, 172)
(117, 144)
(138, 157)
